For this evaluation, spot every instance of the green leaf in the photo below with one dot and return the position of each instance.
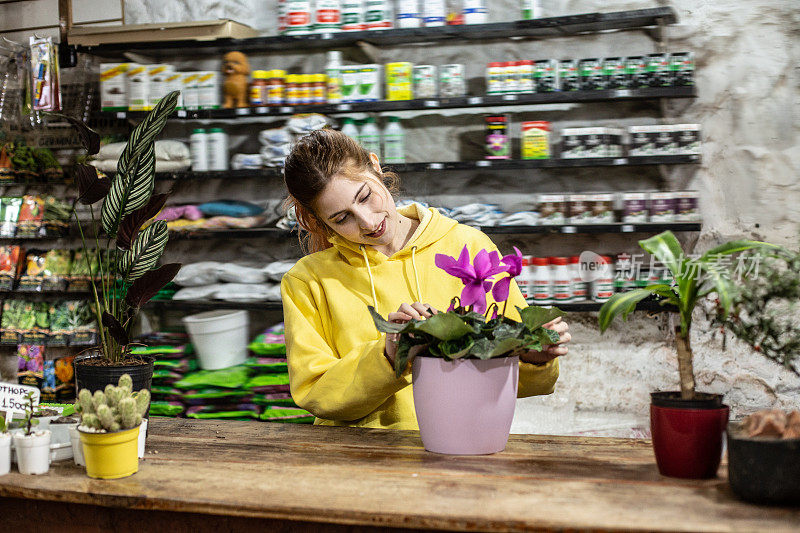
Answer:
(456, 348)
(404, 345)
(481, 346)
(723, 286)
(666, 248)
(384, 325)
(733, 247)
(503, 346)
(505, 330)
(620, 304)
(444, 326)
(145, 251)
(133, 183)
(535, 316)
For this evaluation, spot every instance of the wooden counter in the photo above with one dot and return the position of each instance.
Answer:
(235, 476)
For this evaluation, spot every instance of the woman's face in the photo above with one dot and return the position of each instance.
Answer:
(359, 208)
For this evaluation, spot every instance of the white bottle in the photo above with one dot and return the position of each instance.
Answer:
(353, 15)
(434, 13)
(475, 12)
(198, 150)
(561, 280)
(542, 283)
(579, 291)
(327, 16)
(217, 142)
(349, 128)
(531, 9)
(333, 72)
(370, 137)
(299, 17)
(379, 14)
(603, 286)
(408, 14)
(394, 142)
(525, 279)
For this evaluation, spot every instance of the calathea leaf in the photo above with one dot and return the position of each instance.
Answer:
(131, 188)
(147, 286)
(145, 251)
(90, 139)
(91, 185)
(134, 181)
(115, 328)
(132, 223)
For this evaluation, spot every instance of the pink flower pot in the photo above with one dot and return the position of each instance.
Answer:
(465, 407)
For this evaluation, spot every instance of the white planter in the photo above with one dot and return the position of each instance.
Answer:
(77, 447)
(59, 433)
(142, 437)
(33, 452)
(220, 337)
(5, 453)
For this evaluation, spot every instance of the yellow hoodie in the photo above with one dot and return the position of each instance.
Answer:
(337, 369)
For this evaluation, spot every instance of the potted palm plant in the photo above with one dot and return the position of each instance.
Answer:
(465, 375)
(686, 425)
(764, 449)
(119, 252)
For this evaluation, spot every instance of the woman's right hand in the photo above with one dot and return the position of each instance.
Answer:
(406, 312)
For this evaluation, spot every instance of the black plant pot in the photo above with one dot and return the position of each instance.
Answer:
(96, 378)
(763, 469)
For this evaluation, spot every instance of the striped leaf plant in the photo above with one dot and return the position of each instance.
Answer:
(695, 278)
(122, 242)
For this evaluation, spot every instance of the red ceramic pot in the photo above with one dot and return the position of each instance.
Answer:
(687, 434)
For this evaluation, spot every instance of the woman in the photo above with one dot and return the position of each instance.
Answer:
(367, 252)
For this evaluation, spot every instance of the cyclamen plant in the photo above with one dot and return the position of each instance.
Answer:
(466, 330)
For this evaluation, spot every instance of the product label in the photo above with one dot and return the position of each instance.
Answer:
(328, 14)
(298, 15)
(393, 148)
(275, 93)
(542, 291)
(562, 290)
(334, 85)
(352, 15)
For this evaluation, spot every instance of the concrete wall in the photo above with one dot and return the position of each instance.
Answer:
(746, 53)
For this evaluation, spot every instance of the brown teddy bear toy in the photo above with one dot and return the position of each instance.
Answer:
(236, 70)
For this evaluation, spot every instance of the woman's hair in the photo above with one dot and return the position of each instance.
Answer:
(313, 162)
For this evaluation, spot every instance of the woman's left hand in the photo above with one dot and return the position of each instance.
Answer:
(554, 350)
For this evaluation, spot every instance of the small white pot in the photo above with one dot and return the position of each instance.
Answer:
(59, 433)
(142, 437)
(77, 447)
(5, 453)
(33, 452)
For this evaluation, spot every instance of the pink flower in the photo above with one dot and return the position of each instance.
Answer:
(476, 277)
(513, 264)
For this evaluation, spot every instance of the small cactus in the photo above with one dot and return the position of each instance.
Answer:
(115, 408)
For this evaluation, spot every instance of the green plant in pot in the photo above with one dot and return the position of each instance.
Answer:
(5, 448)
(119, 253)
(32, 446)
(466, 368)
(764, 448)
(109, 428)
(686, 425)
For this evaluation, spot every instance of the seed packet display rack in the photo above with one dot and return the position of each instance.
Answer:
(652, 21)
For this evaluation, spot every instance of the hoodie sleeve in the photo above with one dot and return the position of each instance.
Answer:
(330, 385)
(534, 380)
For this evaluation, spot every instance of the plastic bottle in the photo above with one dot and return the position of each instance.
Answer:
(333, 71)
(198, 150)
(408, 14)
(434, 13)
(525, 279)
(327, 16)
(370, 137)
(561, 280)
(353, 15)
(349, 128)
(394, 142)
(542, 283)
(578, 286)
(475, 12)
(531, 9)
(298, 17)
(379, 14)
(217, 142)
(603, 286)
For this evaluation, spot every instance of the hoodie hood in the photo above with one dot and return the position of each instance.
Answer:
(432, 228)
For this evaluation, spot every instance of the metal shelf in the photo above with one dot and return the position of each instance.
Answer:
(462, 102)
(537, 28)
(496, 164)
(617, 227)
(43, 296)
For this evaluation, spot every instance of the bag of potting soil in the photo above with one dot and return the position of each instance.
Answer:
(240, 411)
(268, 383)
(271, 342)
(267, 365)
(287, 414)
(233, 377)
(161, 408)
(215, 395)
(163, 376)
(169, 338)
(176, 365)
(164, 351)
(166, 393)
(278, 399)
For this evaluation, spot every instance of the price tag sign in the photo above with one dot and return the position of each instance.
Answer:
(436, 166)
(510, 97)
(181, 113)
(627, 228)
(622, 93)
(483, 163)
(326, 36)
(286, 109)
(431, 103)
(344, 107)
(621, 161)
(12, 398)
(569, 229)
(121, 115)
(474, 100)
(242, 111)
(262, 110)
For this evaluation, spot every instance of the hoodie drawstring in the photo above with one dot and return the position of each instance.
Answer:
(416, 277)
(369, 272)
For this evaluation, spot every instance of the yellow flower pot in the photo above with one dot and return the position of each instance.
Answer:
(111, 455)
